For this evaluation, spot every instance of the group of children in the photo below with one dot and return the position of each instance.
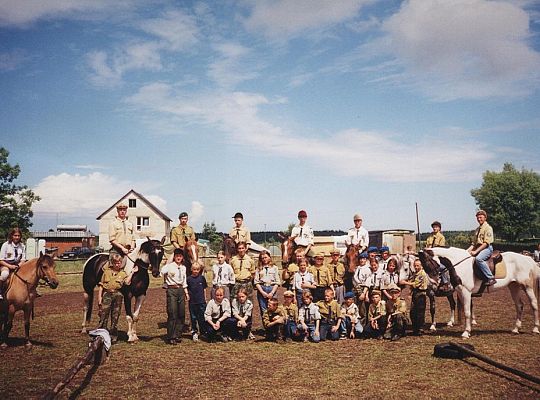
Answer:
(316, 305)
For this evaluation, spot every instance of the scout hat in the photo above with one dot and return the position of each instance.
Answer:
(375, 291)
(238, 215)
(288, 293)
(363, 255)
(481, 212)
(357, 217)
(372, 249)
(393, 288)
(335, 251)
(384, 248)
(348, 295)
(122, 206)
(179, 251)
(435, 223)
(183, 214)
(302, 213)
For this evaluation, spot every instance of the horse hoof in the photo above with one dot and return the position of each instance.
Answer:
(433, 328)
(465, 335)
(83, 330)
(28, 345)
(3, 346)
(535, 330)
(515, 330)
(473, 322)
(450, 324)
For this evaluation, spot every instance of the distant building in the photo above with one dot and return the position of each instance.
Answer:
(65, 238)
(146, 218)
(396, 239)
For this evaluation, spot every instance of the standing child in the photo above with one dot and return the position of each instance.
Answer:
(174, 275)
(291, 313)
(362, 282)
(419, 286)
(266, 280)
(273, 321)
(303, 280)
(238, 326)
(223, 275)
(330, 311)
(389, 277)
(109, 296)
(337, 271)
(287, 275)
(396, 309)
(217, 311)
(376, 316)
(351, 325)
(309, 318)
(322, 276)
(196, 283)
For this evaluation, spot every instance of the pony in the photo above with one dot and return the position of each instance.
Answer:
(146, 257)
(288, 246)
(351, 257)
(21, 293)
(228, 247)
(191, 254)
(521, 272)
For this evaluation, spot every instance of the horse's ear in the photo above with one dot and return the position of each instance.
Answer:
(41, 253)
(148, 237)
(163, 239)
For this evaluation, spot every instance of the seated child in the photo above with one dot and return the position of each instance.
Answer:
(196, 283)
(309, 318)
(303, 279)
(238, 326)
(217, 311)
(291, 313)
(376, 316)
(273, 320)
(110, 298)
(350, 318)
(396, 310)
(330, 316)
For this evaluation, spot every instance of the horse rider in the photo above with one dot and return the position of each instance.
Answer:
(239, 233)
(481, 246)
(182, 233)
(358, 235)
(302, 232)
(437, 239)
(12, 254)
(121, 235)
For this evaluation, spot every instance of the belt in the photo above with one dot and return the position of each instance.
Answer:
(244, 281)
(173, 286)
(419, 290)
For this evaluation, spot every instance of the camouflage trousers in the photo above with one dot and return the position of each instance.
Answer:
(111, 305)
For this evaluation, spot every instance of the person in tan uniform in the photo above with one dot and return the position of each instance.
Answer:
(274, 318)
(330, 311)
(396, 310)
(322, 277)
(481, 248)
(239, 233)
(419, 285)
(182, 233)
(121, 234)
(337, 270)
(244, 270)
(437, 239)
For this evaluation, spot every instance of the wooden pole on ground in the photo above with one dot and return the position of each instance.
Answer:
(95, 351)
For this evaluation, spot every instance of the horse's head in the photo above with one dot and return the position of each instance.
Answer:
(287, 248)
(429, 263)
(191, 251)
(228, 247)
(45, 267)
(154, 250)
(351, 254)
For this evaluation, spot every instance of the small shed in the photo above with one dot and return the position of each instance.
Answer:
(396, 239)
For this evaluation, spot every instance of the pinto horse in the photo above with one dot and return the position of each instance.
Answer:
(21, 293)
(521, 273)
(146, 257)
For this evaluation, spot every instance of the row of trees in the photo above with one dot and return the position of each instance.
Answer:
(510, 197)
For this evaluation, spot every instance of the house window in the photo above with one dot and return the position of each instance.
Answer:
(132, 203)
(143, 223)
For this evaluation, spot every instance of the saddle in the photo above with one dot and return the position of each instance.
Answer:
(496, 265)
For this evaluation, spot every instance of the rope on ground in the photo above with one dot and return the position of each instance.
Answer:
(95, 352)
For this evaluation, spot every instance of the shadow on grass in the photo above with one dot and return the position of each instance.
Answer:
(507, 376)
(20, 342)
(87, 379)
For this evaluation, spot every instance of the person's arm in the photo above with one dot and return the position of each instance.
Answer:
(100, 298)
(127, 280)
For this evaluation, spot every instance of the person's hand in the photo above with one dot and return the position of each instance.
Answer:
(351, 335)
(135, 269)
(334, 328)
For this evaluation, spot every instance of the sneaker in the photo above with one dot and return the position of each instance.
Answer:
(195, 337)
(491, 282)
(251, 336)
(342, 337)
(306, 339)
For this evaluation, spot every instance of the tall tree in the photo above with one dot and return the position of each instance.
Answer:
(512, 200)
(15, 200)
(209, 232)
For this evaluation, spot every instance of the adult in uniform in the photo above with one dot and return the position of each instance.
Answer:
(239, 233)
(358, 235)
(182, 233)
(302, 232)
(418, 284)
(244, 270)
(481, 248)
(121, 236)
(337, 271)
(436, 238)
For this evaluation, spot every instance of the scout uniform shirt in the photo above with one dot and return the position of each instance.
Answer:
(435, 239)
(304, 235)
(321, 275)
(483, 234)
(121, 231)
(330, 312)
(244, 268)
(361, 276)
(420, 280)
(375, 279)
(267, 275)
(376, 310)
(215, 310)
(303, 277)
(175, 275)
(242, 310)
(269, 316)
(240, 235)
(399, 307)
(112, 280)
(291, 269)
(337, 271)
(12, 253)
(181, 234)
(350, 311)
(223, 275)
(291, 312)
(358, 236)
(308, 314)
(389, 278)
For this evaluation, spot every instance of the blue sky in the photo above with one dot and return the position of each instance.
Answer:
(269, 107)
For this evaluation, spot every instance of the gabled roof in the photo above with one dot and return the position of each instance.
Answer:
(153, 207)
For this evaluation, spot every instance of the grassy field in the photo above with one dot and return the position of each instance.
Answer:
(343, 369)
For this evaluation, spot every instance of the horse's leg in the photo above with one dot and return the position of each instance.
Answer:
(465, 296)
(534, 305)
(138, 304)
(8, 325)
(88, 299)
(431, 296)
(27, 313)
(514, 291)
(452, 303)
(129, 315)
(473, 321)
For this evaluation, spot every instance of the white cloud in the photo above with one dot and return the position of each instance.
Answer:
(197, 211)
(24, 12)
(283, 19)
(462, 48)
(378, 155)
(87, 195)
(176, 28)
(228, 70)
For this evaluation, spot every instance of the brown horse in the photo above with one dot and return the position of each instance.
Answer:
(228, 247)
(21, 293)
(288, 246)
(351, 256)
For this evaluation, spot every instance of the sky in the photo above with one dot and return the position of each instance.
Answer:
(269, 107)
